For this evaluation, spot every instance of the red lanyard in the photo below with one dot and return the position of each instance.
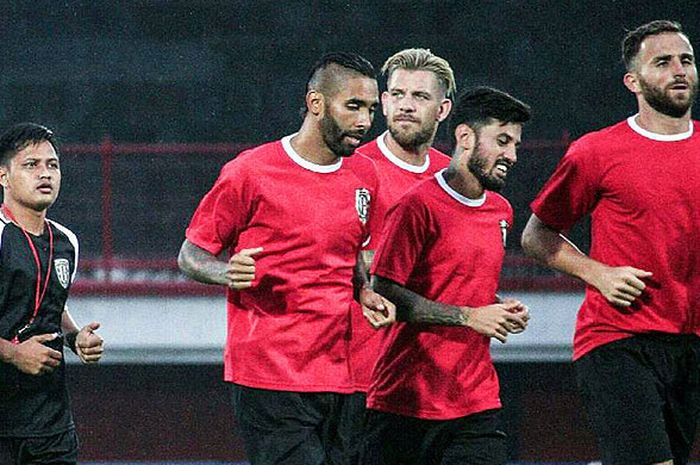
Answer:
(40, 293)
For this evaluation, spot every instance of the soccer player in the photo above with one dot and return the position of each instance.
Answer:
(417, 99)
(294, 214)
(38, 261)
(434, 395)
(636, 346)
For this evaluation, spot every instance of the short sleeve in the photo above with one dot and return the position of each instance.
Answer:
(405, 232)
(223, 211)
(366, 170)
(571, 192)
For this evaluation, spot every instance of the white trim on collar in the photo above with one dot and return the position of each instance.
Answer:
(299, 160)
(456, 195)
(632, 121)
(399, 162)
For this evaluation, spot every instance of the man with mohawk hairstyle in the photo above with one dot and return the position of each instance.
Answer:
(294, 214)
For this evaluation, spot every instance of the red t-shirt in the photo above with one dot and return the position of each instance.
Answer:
(642, 191)
(290, 331)
(396, 177)
(449, 249)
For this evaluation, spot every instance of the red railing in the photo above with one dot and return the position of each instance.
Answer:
(115, 275)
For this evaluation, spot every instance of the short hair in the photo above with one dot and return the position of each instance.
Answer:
(422, 59)
(632, 41)
(348, 60)
(478, 106)
(21, 135)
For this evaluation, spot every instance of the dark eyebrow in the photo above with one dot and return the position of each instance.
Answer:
(662, 58)
(362, 103)
(510, 138)
(39, 159)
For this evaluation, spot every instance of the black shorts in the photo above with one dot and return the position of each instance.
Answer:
(351, 428)
(642, 395)
(58, 449)
(396, 439)
(282, 427)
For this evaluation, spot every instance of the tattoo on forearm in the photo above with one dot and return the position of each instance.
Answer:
(360, 277)
(201, 266)
(414, 308)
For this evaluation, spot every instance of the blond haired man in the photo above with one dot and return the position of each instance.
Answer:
(417, 99)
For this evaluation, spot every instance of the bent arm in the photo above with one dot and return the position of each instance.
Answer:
(554, 250)
(84, 342)
(620, 285)
(495, 320)
(414, 308)
(201, 265)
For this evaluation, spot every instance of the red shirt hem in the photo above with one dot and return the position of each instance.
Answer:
(435, 414)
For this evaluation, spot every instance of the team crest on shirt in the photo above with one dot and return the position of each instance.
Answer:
(362, 199)
(504, 230)
(62, 268)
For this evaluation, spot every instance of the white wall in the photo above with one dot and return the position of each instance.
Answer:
(193, 329)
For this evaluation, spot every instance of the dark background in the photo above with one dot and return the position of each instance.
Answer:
(234, 71)
(163, 412)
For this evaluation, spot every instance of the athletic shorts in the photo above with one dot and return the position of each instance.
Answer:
(642, 395)
(58, 449)
(352, 422)
(396, 439)
(290, 428)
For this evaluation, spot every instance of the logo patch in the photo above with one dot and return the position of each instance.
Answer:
(62, 268)
(362, 199)
(504, 230)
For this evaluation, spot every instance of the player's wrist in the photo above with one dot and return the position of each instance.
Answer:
(360, 290)
(593, 273)
(70, 340)
(465, 316)
(8, 351)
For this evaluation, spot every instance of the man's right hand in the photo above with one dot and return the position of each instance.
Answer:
(621, 285)
(240, 271)
(34, 358)
(495, 320)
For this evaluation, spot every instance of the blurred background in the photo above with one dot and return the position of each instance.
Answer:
(151, 98)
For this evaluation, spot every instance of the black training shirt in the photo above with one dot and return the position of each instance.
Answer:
(34, 405)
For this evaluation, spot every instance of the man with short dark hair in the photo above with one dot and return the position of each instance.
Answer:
(636, 347)
(293, 214)
(434, 395)
(38, 262)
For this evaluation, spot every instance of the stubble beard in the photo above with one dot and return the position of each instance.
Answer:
(412, 140)
(665, 104)
(477, 166)
(333, 136)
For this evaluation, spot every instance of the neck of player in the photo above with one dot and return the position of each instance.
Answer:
(310, 146)
(659, 123)
(413, 156)
(31, 220)
(463, 182)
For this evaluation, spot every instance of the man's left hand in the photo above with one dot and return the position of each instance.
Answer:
(377, 310)
(89, 345)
